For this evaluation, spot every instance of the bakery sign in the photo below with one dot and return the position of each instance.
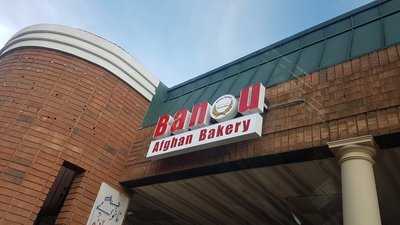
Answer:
(227, 120)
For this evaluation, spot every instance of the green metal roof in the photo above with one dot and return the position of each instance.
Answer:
(363, 30)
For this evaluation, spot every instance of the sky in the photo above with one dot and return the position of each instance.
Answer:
(178, 39)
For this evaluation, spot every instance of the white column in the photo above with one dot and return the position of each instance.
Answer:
(360, 199)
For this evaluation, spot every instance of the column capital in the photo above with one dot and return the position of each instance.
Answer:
(362, 147)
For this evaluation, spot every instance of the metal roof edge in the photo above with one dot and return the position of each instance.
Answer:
(158, 98)
(284, 41)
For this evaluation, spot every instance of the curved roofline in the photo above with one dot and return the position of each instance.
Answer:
(284, 41)
(90, 47)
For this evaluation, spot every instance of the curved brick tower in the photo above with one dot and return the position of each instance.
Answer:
(67, 96)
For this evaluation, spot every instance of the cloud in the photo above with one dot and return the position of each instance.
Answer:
(20, 14)
(229, 31)
(176, 39)
(5, 34)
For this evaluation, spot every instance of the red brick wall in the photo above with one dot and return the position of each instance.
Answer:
(358, 97)
(55, 107)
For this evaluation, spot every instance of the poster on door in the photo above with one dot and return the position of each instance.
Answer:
(109, 208)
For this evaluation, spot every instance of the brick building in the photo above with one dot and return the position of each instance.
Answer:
(77, 116)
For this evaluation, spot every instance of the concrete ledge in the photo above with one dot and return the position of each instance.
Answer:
(90, 47)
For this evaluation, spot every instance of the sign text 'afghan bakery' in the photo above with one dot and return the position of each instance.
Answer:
(191, 131)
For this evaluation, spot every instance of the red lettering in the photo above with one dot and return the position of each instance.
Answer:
(237, 125)
(181, 121)
(174, 142)
(156, 147)
(220, 131)
(251, 99)
(202, 134)
(246, 125)
(166, 145)
(161, 144)
(189, 139)
(211, 133)
(163, 126)
(181, 141)
(200, 115)
(229, 129)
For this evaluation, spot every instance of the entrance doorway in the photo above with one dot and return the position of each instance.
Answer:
(300, 193)
(57, 194)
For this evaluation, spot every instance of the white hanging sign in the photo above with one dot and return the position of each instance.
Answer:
(109, 208)
(234, 120)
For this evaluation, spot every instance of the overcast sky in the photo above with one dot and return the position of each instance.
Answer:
(178, 39)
